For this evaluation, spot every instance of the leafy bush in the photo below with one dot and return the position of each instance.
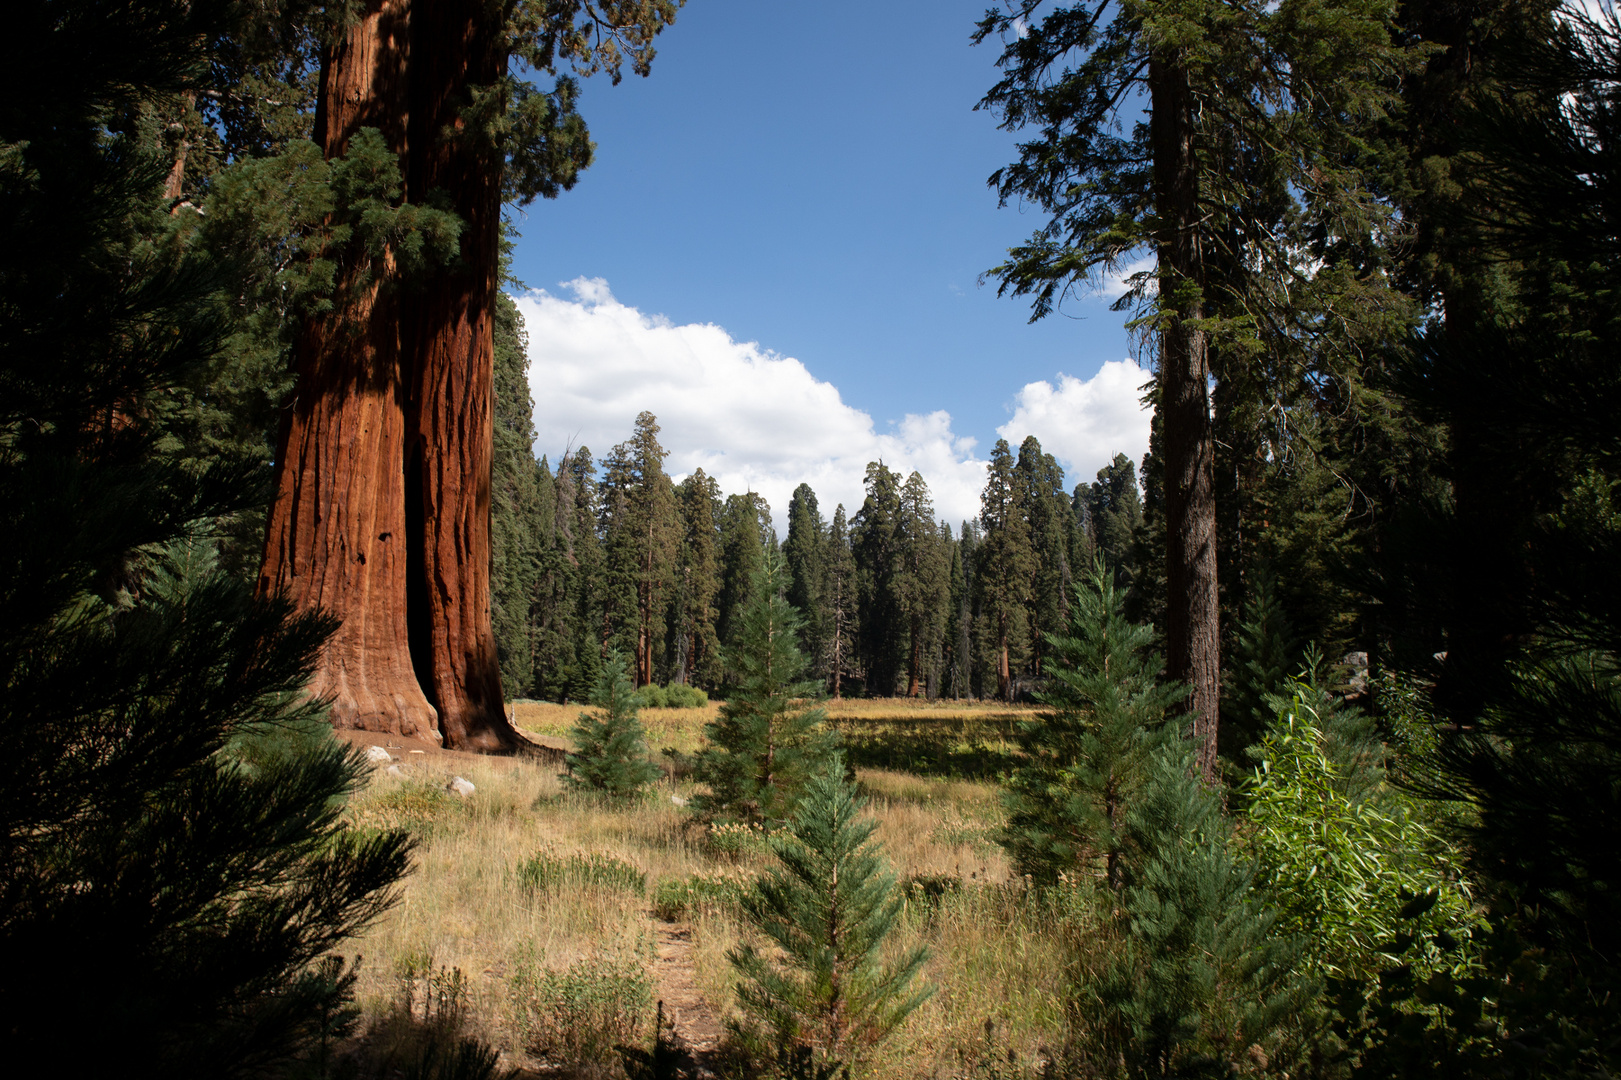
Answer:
(549, 872)
(1341, 871)
(577, 1017)
(672, 696)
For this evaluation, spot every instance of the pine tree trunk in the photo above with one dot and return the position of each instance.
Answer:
(450, 411)
(1192, 616)
(337, 536)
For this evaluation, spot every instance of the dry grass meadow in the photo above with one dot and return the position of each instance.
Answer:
(524, 884)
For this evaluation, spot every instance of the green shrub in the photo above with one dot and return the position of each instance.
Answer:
(549, 872)
(1340, 870)
(675, 897)
(576, 1017)
(672, 696)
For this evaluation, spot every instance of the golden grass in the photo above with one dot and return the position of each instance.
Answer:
(994, 956)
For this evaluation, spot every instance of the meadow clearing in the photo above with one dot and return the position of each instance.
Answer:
(553, 921)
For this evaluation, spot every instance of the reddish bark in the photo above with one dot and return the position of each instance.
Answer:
(1192, 643)
(459, 45)
(382, 515)
(337, 532)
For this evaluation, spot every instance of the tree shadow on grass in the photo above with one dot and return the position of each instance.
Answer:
(951, 748)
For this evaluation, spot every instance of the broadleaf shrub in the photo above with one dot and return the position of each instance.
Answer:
(1341, 871)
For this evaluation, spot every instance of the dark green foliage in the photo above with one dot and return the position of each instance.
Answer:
(1004, 563)
(693, 630)
(169, 801)
(1114, 510)
(1262, 661)
(804, 551)
(1047, 509)
(828, 906)
(767, 739)
(1199, 977)
(610, 748)
(673, 696)
(521, 514)
(876, 547)
(842, 590)
(744, 524)
(1084, 762)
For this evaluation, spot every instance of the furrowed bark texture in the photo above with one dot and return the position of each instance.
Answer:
(1192, 618)
(336, 538)
(451, 408)
(382, 515)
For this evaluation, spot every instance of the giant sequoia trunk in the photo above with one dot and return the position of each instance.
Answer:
(1192, 640)
(383, 485)
(451, 415)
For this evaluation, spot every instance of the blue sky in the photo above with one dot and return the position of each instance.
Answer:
(806, 182)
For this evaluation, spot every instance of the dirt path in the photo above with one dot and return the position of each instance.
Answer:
(696, 1029)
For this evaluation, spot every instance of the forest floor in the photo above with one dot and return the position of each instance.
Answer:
(533, 908)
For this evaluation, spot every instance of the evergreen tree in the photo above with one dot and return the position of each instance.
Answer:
(804, 551)
(641, 529)
(842, 594)
(1003, 567)
(744, 524)
(610, 748)
(590, 620)
(959, 658)
(1115, 512)
(767, 740)
(1522, 375)
(697, 641)
(1201, 978)
(828, 906)
(1039, 481)
(922, 585)
(1262, 662)
(1249, 155)
(520, 513)
(875, 542)
(1085, 761)
(170, 803)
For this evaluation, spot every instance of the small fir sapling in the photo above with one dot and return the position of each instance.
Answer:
(767, 739)
(828, 906)
(1085, 759)
(1201, 981)
(611, 752)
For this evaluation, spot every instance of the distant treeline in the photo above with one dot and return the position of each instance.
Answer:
(607, 554)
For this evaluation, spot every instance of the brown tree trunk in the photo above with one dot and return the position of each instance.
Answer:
(457, 45)
(1192, 616)
(915, 662)
(337, 532)
(1004, 673)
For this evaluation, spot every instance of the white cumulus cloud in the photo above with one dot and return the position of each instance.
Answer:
(1084, 423)
(751, 418)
